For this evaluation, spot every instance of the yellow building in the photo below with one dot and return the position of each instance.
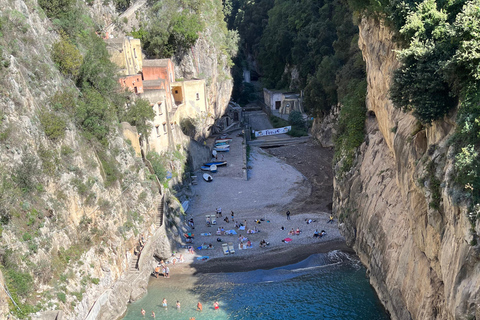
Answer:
(189, 98)
(126, 53)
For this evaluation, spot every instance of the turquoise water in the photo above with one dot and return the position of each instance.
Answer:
(324, 286)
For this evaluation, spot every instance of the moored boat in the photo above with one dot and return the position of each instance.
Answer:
(217, 163)
(223, 140)
(222, 149)
(213, 168)
(207, 177)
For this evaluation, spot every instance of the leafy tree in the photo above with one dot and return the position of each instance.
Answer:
(94, 115)
(97, 71)
(138, 114)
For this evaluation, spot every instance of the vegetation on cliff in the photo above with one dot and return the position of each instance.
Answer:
(440, 71)
(64, 164)
(309, 46)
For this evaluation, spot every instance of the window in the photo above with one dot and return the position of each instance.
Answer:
(157, 130)
(172, 126)
(164, 128)
(198, 96)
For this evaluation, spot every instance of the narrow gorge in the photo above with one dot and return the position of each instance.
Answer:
(107, 108)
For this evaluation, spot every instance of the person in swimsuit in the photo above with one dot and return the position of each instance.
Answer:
(215, 305)
(153, 314)
(143, 312)
(199, 306)
(178, 304)
(164, 302)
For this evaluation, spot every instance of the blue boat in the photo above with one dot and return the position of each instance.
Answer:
(221, 149)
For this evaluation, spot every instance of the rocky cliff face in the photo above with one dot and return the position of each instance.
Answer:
(399, 209)
(71, 211)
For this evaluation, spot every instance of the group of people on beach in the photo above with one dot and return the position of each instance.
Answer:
(163, 267)
(216, 306)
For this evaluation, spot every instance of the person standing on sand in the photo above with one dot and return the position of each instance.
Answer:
(199, 306)
(331, 219)
(288, 215)
(232, 217)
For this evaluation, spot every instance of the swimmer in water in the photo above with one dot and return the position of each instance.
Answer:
(215, 305)
(164, 302)
(199, 306)
(178, 304)
(143, 312)
(153, 314)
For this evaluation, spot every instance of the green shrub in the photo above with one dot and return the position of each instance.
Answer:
(53, 125)
(62, 297)
(95, 280)
(64, 100)
(159, 165)
(67, 57)
(55, 8)
(110, 168)
(351, 126)
(25, 174)
(94, 115)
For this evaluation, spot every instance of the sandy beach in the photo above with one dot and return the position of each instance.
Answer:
(273, 187)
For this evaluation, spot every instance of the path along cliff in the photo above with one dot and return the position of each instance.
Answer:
(418, 254)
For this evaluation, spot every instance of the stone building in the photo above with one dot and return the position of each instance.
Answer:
(283, 102)
(126, 53)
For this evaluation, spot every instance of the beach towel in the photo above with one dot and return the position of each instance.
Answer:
(230, 232)
(206, 234)
(241, 228)
(287, 240)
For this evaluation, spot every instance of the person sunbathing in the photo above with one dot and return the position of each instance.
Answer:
(291, 232)
(298, 231)
(249, 244)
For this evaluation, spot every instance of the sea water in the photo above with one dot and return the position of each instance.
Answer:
(324, 286)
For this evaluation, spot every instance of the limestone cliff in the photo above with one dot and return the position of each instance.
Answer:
(415, 245)
(72, 210)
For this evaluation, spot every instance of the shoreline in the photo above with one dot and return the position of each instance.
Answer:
(272, 258)
(277, 182)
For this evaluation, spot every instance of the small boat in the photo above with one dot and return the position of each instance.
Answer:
(223, 140)
(213, 168)
(217, 163)
(223, 146)
(207, 177)
(185, 205)
(222, 149)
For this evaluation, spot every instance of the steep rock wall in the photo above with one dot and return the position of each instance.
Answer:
(419, 258)
(82, 230)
